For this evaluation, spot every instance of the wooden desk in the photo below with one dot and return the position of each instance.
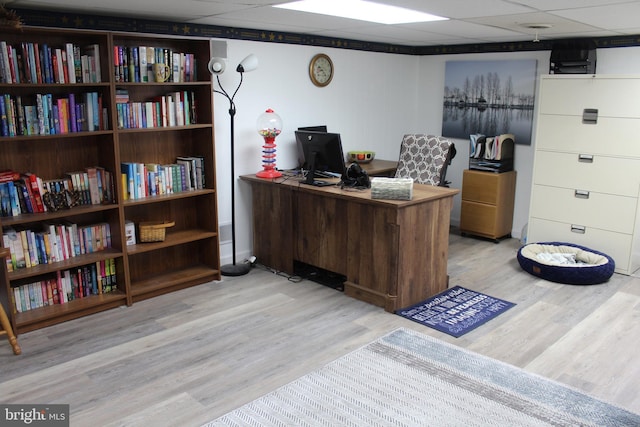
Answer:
(392, 252)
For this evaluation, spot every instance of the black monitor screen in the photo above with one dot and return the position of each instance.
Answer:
(322, 153)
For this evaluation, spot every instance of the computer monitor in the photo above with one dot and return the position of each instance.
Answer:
(318, 128)
(321, 128)
(322, 153)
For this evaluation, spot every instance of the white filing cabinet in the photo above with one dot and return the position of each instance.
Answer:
(586, 173)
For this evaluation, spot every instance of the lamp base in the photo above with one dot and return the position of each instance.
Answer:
(269, 173)
(235, 269)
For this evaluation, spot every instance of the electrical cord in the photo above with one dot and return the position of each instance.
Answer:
(291, 278)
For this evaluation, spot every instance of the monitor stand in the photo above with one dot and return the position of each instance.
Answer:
(310, 180)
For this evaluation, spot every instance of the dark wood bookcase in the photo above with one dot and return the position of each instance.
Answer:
(189, 254)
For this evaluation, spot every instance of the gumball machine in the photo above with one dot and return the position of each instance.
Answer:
(269, 127)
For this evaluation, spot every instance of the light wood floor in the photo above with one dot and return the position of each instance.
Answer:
(185, 358)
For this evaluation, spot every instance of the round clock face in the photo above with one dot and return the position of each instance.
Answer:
(321, 70)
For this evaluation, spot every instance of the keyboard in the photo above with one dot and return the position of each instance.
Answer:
(318, 183)
(322, 174)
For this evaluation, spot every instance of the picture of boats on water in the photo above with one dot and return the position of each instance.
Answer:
(489, 98)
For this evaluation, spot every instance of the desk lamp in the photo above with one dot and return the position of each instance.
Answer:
(216, 67)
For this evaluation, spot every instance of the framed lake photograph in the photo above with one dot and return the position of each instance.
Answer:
(489, 98)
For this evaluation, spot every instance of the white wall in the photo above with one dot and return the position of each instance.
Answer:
(373, 100)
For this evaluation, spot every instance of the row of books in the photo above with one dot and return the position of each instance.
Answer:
(40, 63)
(135, 64)
(174, 109)
(151, 179)
(45, 114)
(69, 285)
(54, 243)
(25, 193)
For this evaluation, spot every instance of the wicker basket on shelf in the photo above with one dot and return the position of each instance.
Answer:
(154, 231)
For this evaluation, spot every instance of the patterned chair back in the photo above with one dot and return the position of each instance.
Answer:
(424, 158)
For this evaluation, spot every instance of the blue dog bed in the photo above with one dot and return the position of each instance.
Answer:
(566, 263)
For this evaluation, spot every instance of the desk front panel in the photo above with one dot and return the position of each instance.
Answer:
(320, 227)
(273, 225)
(393, 253)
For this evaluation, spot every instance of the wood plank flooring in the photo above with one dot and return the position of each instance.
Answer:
(185, 358)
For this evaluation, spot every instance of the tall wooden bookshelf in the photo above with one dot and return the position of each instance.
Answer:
(189, 252)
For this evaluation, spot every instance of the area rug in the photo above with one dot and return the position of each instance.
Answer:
(456, 311)
(409, 379)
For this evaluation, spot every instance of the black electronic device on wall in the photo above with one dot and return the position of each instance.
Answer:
(573, 57)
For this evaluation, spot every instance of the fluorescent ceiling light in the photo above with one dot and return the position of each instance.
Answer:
(361, 10)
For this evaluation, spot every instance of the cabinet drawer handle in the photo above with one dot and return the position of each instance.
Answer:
(580, 229)
(585, 158)
(581, 194)
(590, 116)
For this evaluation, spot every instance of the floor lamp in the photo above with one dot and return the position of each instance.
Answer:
(216, 67)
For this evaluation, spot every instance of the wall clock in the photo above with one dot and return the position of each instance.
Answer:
(321, 70)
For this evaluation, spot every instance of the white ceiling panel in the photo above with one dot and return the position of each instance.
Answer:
(465, 29)
(521, 23)
(462, 9)
(182, 10)
(613, 16)
(550, 5)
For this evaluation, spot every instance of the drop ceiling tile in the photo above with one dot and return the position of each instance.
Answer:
(182, 10)
(613, 16)
(461, 9)
(549, 5)
(519, 23)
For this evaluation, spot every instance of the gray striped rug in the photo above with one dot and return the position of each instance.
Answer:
(410, 379)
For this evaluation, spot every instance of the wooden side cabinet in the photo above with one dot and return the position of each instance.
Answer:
(487, 203)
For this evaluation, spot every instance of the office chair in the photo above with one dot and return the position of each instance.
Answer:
(424, 158)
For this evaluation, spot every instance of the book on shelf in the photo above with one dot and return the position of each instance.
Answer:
(25, 196)
(92, 52)
(174, 109)
(65, 286)
(13, 241)
(135, 64)
(5, 71)
(95, 186)
(143, 71)
(46, 114)
(9, 175)
(153, 179)
(40, 63)
(71, 70)
(54, 242)
(32, 180)
(195, 167)
(26, 193)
